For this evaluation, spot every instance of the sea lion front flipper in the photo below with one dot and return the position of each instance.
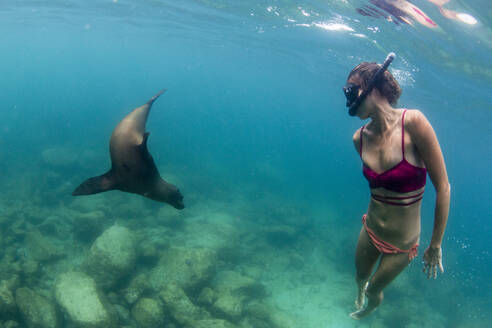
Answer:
(144, 140)
(143, 146)
(144, 152)
(95, 185)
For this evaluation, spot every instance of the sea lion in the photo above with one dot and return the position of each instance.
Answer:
(132, 167)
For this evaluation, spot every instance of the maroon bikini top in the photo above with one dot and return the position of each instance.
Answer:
(403, 177)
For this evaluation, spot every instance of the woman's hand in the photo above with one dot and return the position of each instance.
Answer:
(432, 261)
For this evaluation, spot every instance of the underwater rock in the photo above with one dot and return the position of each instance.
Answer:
(30, 269)
(7, 300)
(189, 268)
(148, 313)
(87, 226)
(111, 257)
(207, 297)
(36, 310)
(59, 156)
(255, 271)
(136, 288)
(17, 230)
(212, 323)
(122, 314)
(233, 292)
(149, 250)
(230, 254)
(50, 226)
(169, 217)
(179, 305)
(113, 298)
(11, 324)
(232, 282)
(271, 316)
(252, 322)
(228, 306)
(42, 249)
(77, 295)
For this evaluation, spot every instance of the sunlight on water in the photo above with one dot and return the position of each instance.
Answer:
(465, 18)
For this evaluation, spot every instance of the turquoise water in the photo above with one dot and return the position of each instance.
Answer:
(254, 131)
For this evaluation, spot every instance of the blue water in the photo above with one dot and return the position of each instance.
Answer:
(254, 110)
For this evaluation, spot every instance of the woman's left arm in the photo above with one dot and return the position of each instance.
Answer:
(425, 140)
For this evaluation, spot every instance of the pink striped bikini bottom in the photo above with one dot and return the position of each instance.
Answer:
(385, 247)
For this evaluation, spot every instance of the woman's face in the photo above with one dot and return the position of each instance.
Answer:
(353, 90)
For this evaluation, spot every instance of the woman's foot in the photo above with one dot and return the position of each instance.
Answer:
(372, 303)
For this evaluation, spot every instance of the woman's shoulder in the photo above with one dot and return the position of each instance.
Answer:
(415, 121)
(412, 114)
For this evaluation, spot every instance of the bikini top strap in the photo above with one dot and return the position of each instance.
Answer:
(360, 140)
(403, 133)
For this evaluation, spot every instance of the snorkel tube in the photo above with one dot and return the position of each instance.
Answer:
(356, 103)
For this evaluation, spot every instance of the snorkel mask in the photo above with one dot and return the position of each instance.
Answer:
(351, 90)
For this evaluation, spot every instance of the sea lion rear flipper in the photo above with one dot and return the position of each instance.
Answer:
(151, 101)
(95, 185)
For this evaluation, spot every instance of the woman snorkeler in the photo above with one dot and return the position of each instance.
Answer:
(403, 11)
(398, 148)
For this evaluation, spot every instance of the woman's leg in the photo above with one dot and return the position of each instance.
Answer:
(391, 265)
(366, 256)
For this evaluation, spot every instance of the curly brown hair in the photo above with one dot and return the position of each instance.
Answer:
(386, 84)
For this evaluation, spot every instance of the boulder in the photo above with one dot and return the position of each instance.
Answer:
(122, 313)
(232, 282)
(138, 286)
(37, 311)
(30, 270)
(269, 315)
(11, 324)
(77, 295)
(169, 217)
(229, 306)
(189, 268)
(7, 300)
(51, 226)
(233, 291)
(111, 256)
(150, 247)
(148, 313)
(179, 305)
(207, 297)
(41, 249)
(212, 323)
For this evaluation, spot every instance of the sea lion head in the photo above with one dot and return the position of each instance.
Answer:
(166, 193)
